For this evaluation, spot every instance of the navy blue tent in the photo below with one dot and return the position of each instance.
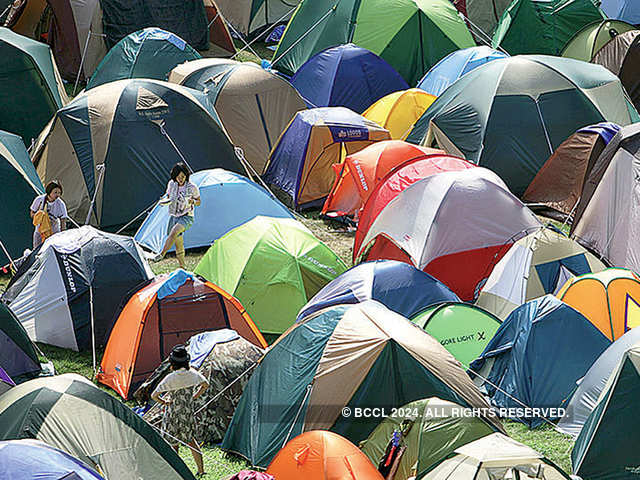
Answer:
(399, 286)
(536, 357)
(346, 76)
(18, 354)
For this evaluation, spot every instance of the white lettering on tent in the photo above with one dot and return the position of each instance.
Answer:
(363, 181)
(320, 265)
(67, 270)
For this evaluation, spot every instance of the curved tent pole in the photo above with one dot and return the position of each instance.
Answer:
(306, 395)
(100, 168)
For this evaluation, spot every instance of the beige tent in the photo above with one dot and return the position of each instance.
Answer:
(251, 16)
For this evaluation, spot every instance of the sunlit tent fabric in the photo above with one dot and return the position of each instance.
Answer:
(605, 448)
(626, 10)
(254, 104)
(18, 355)
(31, 89)
(413, 37)
(22, 185)
(535, 265)
(559, 183)
(273, 266)
(115, 145)
(35, 459)
(346, 76)
(456, 240)
(510, 115)
(543, 26)
(496, 456)
(163, 314)
(398, 286)
(585, 398)
(346, 355)
(68, 290)
(588, 41)
(148, 53)
(322, 455)
(607, 219)
(436, 428)
(610, 299)
(461, 328)
(299, 166)
(70, 413)
(227, 200)
(399, 111)
(360, 172)
(454, 66)
(250, 17)
(404, 175)
(536, 356)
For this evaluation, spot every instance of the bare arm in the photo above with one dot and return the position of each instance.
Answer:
(155, 396)
(201, 390)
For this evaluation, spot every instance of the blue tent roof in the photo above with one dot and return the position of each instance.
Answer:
(606, 130)
(454, 66)
(228, 201)
(399, 286)
(626, 10)
(538, 354)
(35, 459)
(347, 76)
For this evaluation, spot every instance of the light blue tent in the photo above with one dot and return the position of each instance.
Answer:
(454, 66)
(626, 10)
(228, 201)
(536, 356)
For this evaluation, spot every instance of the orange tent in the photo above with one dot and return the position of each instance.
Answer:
(362, 171)
(320, 455)
(165, 313)
(610, 299)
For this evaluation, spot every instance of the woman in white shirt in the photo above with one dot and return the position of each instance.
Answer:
(55, 208)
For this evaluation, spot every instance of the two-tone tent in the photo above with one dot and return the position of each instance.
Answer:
(543, 26)
(70, 413)
(273, 266)
(399, 111)
(67, 292)
(359, 173)
(605, 448)
(22, 185)
(227, 200)
(414, 37)
(220, 41)
(431, 429)
(536, 357)
(162, 315)
(535, 265)
(148, 53)
(461, 328)
(18, 355)
(31, 89)
(626, 10)
(397, 180)
(483, 15)
(610, 299)
(300, 164)
(454, 66)
(255, 105)
(456, 240)
(509, 115)
(346, 76)
(559, 183)
(398, 286)
(113, 147)
(588, 41)
(35, 459)
(353, 356)
(251, 17)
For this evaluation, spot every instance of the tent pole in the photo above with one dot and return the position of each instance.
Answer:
(101, 168)
(306, 395)
(93, 333)
(84, 53)
(241, 38)
(13, 266)
(265, 32)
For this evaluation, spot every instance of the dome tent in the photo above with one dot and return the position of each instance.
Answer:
(626, 10)
(18, 355)
(399, 111)
(251, 17)
(588, 41)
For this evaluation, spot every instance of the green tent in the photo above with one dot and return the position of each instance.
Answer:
(543, 26)
(414, 35)
(22, 185)
(607, 447)
(273, 266)
(463, 329)
(588, 41)
(18, 354)
(432, 429)
(148, 53)
(31, 90)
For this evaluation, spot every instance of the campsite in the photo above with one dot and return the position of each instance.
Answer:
(324, 239)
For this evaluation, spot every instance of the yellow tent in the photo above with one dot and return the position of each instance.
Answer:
(398, 111)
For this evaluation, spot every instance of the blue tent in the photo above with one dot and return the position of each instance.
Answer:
(454, 66)
(347, 76)
(536, 357)
(399, 286)
(626, 10)
(228, 201)
(37, 460)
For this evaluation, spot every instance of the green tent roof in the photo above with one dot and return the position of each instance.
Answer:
(588, 41)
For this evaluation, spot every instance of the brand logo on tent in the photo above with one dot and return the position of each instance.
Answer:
(633, 470)
(320, 265)
(478, 336)
(67, 270)
(363, 181)
(341, 134)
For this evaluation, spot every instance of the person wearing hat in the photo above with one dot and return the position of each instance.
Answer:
(176, 392)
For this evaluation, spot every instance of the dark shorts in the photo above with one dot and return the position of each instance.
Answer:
(185, 220)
